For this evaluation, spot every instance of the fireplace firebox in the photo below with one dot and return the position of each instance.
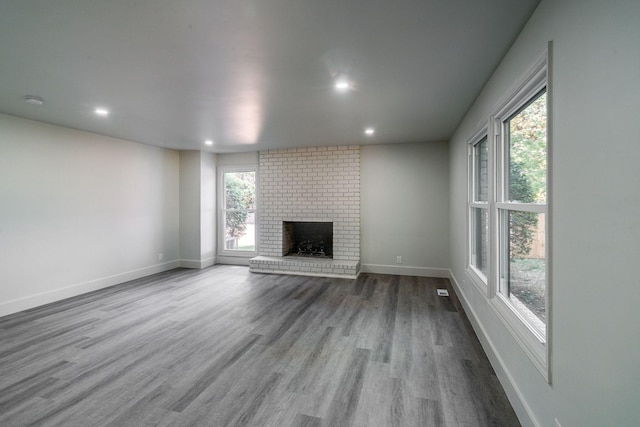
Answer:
(307, 239)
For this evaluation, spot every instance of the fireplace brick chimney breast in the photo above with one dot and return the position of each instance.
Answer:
(317, 184)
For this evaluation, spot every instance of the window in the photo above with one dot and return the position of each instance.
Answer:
(479, 208)
(508, 214)
(521, 208)
(238, 213)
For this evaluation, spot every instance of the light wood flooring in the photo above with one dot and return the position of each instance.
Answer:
(225, 347)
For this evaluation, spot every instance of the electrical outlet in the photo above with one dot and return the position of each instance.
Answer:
(443, 293)
(398, 259)
(160, 257)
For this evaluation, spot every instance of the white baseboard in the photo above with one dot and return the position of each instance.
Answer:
(194, 263)
(43, 298)
(405, 270)
(520, 406)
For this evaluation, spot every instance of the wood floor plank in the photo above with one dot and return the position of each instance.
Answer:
(382, 352)
(225, 347)
(345, 401)
(302, 420)
(208, 376)
(402, 344)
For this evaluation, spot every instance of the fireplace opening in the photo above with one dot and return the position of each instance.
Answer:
(307, 239)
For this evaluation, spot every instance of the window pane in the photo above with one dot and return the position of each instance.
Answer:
(480, 239)
(481, 166)
(526, 269)
(240, 190)
(527, 161)
(239, 213)
(240, 231)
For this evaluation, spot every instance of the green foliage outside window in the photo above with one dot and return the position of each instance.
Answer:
(522, 225)
(528, 149)
(239, 194)
(527, 172)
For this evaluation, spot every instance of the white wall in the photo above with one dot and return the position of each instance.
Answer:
(79, 211)
(190, 208)
(596, 227)
(238, 159)
(197, 209)
(208, 208)
(405, 208)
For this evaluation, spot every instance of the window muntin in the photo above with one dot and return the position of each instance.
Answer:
(239, 211)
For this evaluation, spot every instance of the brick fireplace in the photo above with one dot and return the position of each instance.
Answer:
(312, 185)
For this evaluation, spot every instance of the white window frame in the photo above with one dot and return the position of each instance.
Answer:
(476, 275)
(222, 251)
(536, 345)
(531, 339)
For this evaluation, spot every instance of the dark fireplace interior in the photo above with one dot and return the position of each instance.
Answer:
(310, 239)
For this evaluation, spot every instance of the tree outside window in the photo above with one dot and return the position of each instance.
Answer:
(527, 186)
(239, 210)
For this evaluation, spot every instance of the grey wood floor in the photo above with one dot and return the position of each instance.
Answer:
(223, 347)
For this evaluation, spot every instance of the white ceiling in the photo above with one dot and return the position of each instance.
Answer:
(252, 74)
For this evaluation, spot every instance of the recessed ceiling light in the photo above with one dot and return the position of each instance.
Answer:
(369, 131)
(33, 100)
(208, 142)
(101, 111)
(342, 85)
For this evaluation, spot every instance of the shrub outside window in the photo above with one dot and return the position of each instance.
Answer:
(238, 213)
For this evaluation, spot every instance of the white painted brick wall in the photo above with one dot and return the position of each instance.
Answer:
(311, 184)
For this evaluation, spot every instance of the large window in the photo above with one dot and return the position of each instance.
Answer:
(238, 213)
(508, 210)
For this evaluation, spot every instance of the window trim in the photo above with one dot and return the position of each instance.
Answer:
(477, 276)
(222, 251)
(536, 346)
(532, 342)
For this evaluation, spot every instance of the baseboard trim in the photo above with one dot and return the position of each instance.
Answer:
(199, 264)
(520, 406)
(405, 270)
(43, 298)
